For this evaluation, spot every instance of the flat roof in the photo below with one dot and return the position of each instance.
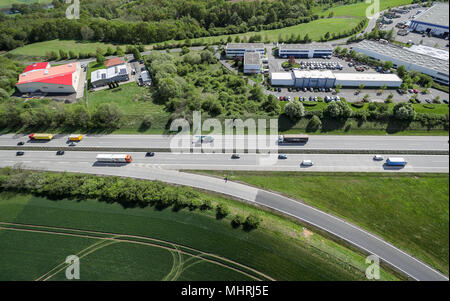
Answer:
(410, 57)
(56, 75)
(315, 46)
(437, 15)
(252, 58)
(368, 77)
(245, 45)
(281, 75)
(430, 51)
(313, 74)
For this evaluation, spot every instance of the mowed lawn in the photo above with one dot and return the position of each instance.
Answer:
(409, 210)
(275, 250)
(359, 9)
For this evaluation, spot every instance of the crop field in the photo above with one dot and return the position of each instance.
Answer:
(410, 210)
(114, 243)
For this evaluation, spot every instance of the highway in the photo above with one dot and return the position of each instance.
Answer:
(319, 142)
(83, 162)
(180, 161)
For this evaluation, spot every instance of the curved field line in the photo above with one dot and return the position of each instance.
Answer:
(122, 238)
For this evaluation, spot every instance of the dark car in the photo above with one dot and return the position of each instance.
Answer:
(289, 89)
(282, 156)
(279, 89)
(235, 156)
(149, 154)
(60, 153)
(297, 89)
(72, 144)
(20, 143)
(20, 153)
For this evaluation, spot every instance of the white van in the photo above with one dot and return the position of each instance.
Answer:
(307, 163)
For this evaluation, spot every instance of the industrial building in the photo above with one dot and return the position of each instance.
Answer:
(116, 71)
(328, 79)
(252, 63)
(369, 80)
(314, 79)
(433, 20)
(41, 77)
(304, 50)
(282, 79)
(435, 67)
(238, 50)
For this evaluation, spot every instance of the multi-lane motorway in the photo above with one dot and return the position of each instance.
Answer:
(319, 142)
(145, 169)
(179, 161)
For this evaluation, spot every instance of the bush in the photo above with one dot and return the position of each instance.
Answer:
(222, 211)
(206, 205)
(358, 104)
(310, 104)
(314, 124)
(428, 106)
(294, 110)
(237, 221)
(252, 222)
(404, 111)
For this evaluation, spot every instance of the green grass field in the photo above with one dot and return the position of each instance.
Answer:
(359, 9)
(409, 210)
(150, 244)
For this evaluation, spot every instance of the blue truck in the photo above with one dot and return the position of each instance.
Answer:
(395, 161)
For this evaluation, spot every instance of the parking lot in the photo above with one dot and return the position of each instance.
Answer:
(415, 38)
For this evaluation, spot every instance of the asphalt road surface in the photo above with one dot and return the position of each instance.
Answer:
(354, 235)
(322, 142)
(179, 161)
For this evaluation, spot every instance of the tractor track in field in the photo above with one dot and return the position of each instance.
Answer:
(175, 249)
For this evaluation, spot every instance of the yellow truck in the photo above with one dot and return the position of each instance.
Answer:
(75, 137)
(41, 136)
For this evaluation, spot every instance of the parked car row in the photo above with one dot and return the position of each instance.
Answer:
(320, 65)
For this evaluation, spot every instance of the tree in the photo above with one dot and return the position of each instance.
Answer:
(361, 86)
(62, 54)
(338, 88)
(100, 59)
(119, 51)
(404, 111)
(185, 50)
(338, 110)
(109, 51)
(207, 57)
(388, 65)
(136, 53)
(271, 105)
(237, 220)
(222, 211)
(294, 110)
(401, 71)
(106, 116)
(314, 124)
(252, 222)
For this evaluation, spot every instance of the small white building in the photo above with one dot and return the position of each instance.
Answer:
(369, 80)
(252, 63)
(304, 50)
(239, 49)
(116, 71)
(282, 79)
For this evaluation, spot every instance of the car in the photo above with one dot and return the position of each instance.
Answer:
(279, 89)
(60, 153)
(281, 98)
(378, 158)
(282, 157)
(311, 89)
(20, 143)
(310, 98)
(72, 144)
(316, 98)
(338, 98)
(297, 89)
(141, 61)
(304, 89)
(445, 101)
(400, 91)
(410, 90)
(20, 153)
(235, 156)
(149, 154)
(288, 98)
(428, 100)
(415, 91)
(418, 100)
(307, 163)
(289, 89)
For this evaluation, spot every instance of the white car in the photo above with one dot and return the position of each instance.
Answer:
(307, 163)
(378, 158)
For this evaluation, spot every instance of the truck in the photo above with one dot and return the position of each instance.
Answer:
(114, 158)
(396, 161)
(75, 137)
(297, 138)
(41, 136)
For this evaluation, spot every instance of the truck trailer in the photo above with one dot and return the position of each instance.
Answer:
(302, 138)
(114, 158)
(395, 161)
(41, 136)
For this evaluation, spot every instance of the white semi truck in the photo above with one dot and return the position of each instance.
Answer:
(114, 158)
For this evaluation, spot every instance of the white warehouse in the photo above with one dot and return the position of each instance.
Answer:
(433, 20)
(252, 63)
(314, 79)
(369, 80)
(436, 68)
(282, 79)
(304, 50)
(238, 50)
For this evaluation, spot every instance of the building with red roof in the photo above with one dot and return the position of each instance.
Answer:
(114, 62)
(41, 77)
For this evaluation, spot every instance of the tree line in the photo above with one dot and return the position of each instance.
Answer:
(127, 192)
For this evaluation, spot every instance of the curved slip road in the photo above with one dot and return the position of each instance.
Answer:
(322, 142)
(342, 229)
